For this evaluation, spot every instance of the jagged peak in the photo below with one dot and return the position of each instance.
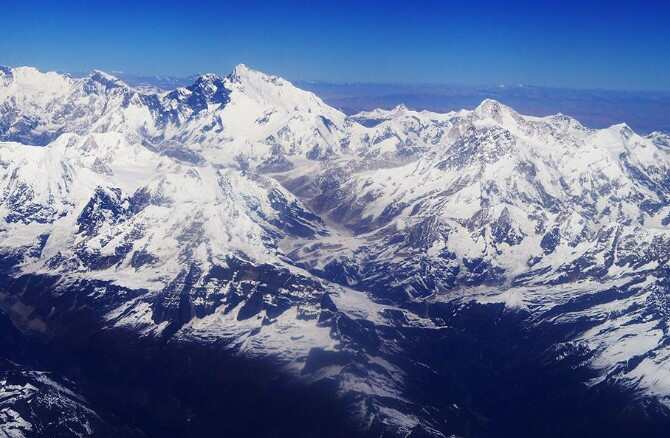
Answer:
(207, 83)
(100, 82)
(211, 87)
(244, 75)
(270, 90)
(208, 77)
(240, 70)
(105, 79)
(622, 129)
(660, 138)
(658, 134)
(621, 125)
(103, 74)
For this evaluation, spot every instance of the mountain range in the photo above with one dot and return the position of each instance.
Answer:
(389, 273)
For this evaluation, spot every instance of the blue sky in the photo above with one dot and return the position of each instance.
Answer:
(585, 44)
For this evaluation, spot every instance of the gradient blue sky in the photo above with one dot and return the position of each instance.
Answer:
(580, 44)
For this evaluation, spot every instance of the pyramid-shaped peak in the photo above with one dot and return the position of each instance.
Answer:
(103, 75)
(491, 108)
(104, 79)
(489, 104)
(622, 126)
(244, 75)
(623, 129)
(241, 69)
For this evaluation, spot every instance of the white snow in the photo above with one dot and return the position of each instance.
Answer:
(456, 181)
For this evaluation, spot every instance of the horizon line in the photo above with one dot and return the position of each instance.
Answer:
(502, 85)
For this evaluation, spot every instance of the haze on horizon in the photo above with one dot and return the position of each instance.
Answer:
(619, 46)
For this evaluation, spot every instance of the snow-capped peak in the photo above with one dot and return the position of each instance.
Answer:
(253, 79)
(101, 75)
(209, 85)
(660, 139)
(28, 72)
(243, 74)
(380, 114)
(208, 77)
(31, 89)
(493, 109)
(30, 78)
(240, 70)
(99, 79)
(623, 129)
(269, 93)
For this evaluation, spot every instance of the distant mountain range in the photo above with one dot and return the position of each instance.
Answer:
(644, 111)
(236, 256)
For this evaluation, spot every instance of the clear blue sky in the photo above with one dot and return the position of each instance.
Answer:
(583, 44)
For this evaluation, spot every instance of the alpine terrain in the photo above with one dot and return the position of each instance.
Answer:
(237, 258)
